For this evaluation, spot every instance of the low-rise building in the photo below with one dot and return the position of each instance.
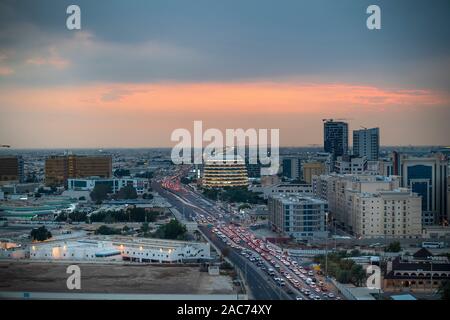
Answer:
(117, 248)
(421, 272)
(88, 184)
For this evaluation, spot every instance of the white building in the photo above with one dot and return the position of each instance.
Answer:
(302, 217)
(161, 251)
(122, 249)
(88, 184)
(86, 250)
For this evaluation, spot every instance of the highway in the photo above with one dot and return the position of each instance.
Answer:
(261, 287)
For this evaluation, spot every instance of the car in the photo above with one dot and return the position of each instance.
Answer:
(298, 298)
(331, 295)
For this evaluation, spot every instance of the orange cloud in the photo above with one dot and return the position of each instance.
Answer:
(136, 115)
(262, 97)
(54, 59)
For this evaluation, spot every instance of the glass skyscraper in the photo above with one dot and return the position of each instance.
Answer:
(335, 138)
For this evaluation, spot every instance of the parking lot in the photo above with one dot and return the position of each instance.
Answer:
(110, 278)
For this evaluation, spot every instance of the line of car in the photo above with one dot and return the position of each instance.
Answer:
(282, 268)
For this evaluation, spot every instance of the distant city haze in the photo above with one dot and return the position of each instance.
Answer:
(133, 74)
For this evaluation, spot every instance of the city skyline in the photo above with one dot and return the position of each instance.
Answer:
(133, 74)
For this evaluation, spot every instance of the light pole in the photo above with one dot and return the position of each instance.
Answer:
(326, 246)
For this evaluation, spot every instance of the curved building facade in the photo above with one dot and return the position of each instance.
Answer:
(226, 171)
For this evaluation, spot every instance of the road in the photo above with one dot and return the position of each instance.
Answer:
(260, 286)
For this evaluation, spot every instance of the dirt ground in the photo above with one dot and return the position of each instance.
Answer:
(107, 278)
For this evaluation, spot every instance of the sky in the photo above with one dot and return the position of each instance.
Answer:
(137, 70)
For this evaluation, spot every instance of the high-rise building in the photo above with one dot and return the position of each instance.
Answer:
(297, 215)
(366, 143)
(311, 169)
(225, 171)
(11, 169)
(292, 167)
(427, 176)
(335, 138)
(60, 168)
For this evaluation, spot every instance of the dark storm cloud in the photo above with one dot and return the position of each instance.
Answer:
(207, 40)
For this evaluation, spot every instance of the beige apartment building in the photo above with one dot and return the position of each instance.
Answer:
(394, 213)
(370, 206)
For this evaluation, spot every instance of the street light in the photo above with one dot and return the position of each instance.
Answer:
(326, 245)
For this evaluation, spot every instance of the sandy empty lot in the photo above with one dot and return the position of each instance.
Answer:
(107, 278)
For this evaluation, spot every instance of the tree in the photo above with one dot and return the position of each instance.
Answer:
(147, 196)
(343, 276)
(100, 192)
(357, 274)
(444, 290)
(78, 216)
(244, 206)
(171, 230)
(394, 247)
(144, 227)
(185, 180)
(105, 230)
(61, 217)
(40, 234)
(147, 175)
(127, 192)
(119, 173)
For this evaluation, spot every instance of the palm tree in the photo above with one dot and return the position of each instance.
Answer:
(444, 290)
